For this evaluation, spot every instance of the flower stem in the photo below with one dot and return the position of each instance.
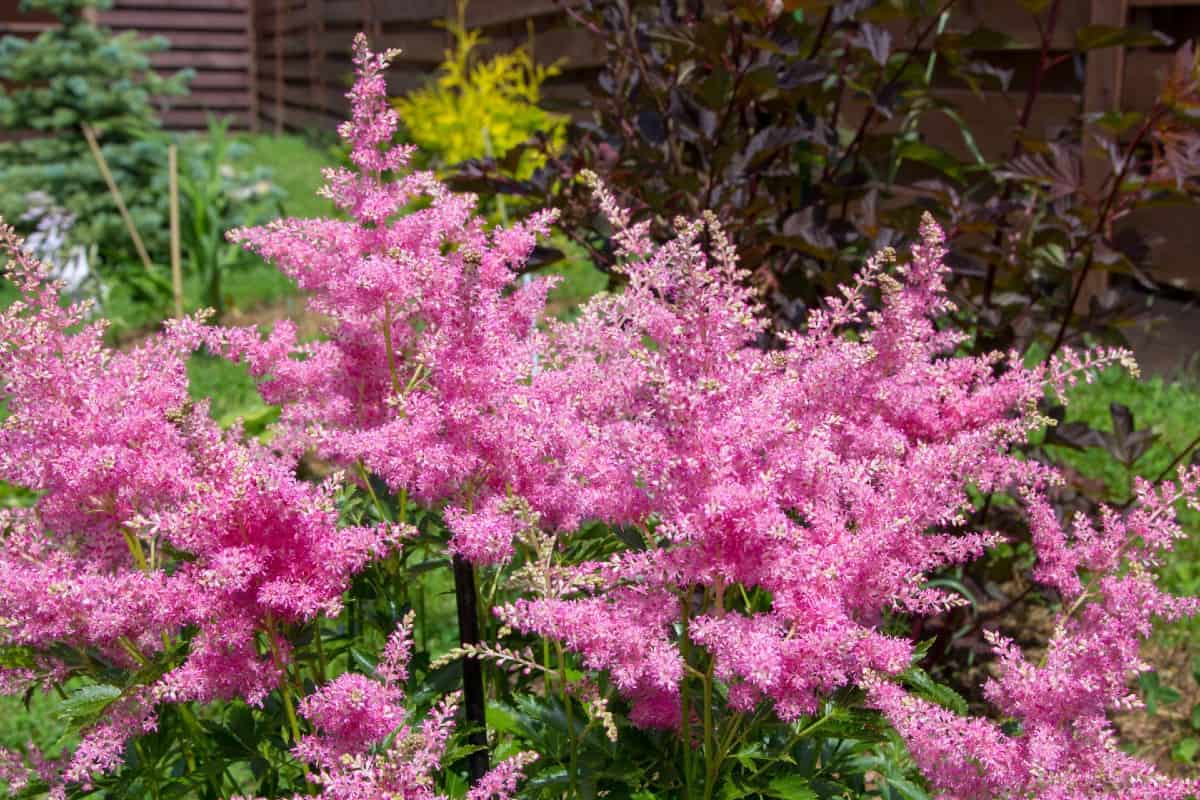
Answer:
(573, 771)
(285, 688)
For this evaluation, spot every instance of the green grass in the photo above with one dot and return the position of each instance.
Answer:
(296, 166)
(1170, 409)
(580, 279)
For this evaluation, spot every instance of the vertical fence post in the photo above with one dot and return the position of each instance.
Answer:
(278, 67)
(1103, 77)
(252, 63)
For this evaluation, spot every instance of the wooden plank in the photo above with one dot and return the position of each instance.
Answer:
(171, 5)
(26, 29)
(211, 59)
(1143, 78)
(279, 121)
(1174, 236)
(197, 119)
(499, 12)
(1103, 78)
(575, 47)
(143, 20)
(992, 120)
(212, 98)
(407, 11)
(207, 40)
(219, 79)
(252, 67)
(1004, 17)
(300, 118)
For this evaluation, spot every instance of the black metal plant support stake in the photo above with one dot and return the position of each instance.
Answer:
(468, 634)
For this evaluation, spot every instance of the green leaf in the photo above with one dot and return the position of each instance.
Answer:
(790, 787)
(1186, 750)
(85, 705)
(1196, 716)
(925, 686)
(17, 657)
(1093, 37)
(932, 156)
(1118, 122)
(502, 718)
(907, 789)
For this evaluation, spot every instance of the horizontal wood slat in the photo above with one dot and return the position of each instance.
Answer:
(140, 19)
(213, 38)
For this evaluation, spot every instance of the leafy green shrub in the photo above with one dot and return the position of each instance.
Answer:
(805, 131)
(477, 107)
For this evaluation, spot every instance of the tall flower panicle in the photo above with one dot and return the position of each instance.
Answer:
(827, 474)
(431, 336)
(150, 521)
(1066, 746)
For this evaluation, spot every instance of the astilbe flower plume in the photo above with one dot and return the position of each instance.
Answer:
(822, 477)
(790, 490)
(430, 332)
(149, 520)
(1066, 747)
(828, 471)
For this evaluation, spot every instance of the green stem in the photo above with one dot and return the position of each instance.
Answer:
(322, 665)
(685, 719)
(573, 772)
(189, 719)
(712, 761)
(285, 688)
(387, 345)
(366, 479)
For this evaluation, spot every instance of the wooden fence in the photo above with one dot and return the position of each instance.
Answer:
(303, 56)
(285, 64)
(214, 38)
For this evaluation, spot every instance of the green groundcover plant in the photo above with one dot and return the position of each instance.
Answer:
(683, 565)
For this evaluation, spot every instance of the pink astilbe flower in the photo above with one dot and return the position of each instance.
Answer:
(1066, 746)
(431, 335)
(130, 474)
(828, 472)
(353, 716)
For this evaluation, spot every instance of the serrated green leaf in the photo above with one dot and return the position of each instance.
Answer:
(925, 686)
(83, 706)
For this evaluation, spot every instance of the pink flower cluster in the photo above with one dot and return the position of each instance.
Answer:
(825, 471)
(354, 715)
(790, 490)
(1066, 747)
(149, 520)
(430, 332)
